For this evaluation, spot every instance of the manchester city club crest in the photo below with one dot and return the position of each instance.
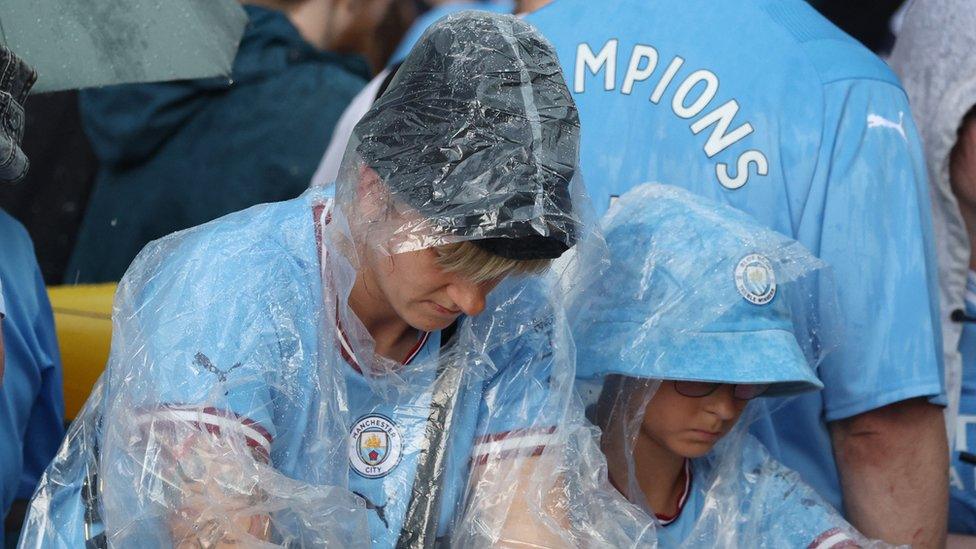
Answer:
(375, 446)
(755, 279)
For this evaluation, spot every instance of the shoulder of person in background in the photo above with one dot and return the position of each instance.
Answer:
(443, 9)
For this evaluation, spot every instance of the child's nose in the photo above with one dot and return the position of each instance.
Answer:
(722, 403)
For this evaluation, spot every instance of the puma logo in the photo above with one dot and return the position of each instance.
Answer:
(878, 121)
(202, 361)
(379, 509)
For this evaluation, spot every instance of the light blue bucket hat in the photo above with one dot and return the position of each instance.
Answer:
(697, 291)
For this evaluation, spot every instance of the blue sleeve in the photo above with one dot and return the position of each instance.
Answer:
(45, 426)
(871, 207)
(31, 403)
(782, 510)
(521, 404)
(200, 342)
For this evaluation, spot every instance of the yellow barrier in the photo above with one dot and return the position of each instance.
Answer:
(83, 318)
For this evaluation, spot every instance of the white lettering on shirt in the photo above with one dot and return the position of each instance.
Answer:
(606, 58)
(634, 71)
(693, 100)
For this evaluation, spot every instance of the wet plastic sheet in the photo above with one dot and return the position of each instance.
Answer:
(697, 292)
(244, 401)
(482, 142)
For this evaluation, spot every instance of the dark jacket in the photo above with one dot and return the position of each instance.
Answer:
(177, 154)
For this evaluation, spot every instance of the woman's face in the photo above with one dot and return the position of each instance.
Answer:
(415, 286)
(421, 293)
(690, 426)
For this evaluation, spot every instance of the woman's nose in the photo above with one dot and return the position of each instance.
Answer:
(468, 296)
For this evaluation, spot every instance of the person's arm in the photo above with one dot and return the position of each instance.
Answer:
(873, 215)
(511, 508)
(217, 504)
(516, 496)
(189, 439)
(893, 464)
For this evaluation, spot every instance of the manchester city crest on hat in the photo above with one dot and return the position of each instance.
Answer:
(375, 446)
(755, 279)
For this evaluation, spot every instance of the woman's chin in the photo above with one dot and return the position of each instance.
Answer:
(428, 323)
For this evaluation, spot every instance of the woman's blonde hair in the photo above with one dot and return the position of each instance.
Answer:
(477, 265)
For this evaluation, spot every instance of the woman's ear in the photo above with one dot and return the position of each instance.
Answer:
(372, 196)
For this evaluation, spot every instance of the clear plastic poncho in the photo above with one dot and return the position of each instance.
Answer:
(244, 402)
(696, 292)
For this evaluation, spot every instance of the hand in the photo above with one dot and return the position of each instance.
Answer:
(213, 488)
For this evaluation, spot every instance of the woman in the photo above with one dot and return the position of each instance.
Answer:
(287, 373)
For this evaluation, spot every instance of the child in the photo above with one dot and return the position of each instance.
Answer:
(287, 373)
(702, 312)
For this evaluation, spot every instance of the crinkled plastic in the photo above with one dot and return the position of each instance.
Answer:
(479, 134)
(244, 401)
(674, 258)
(689, 276)
(698, 292)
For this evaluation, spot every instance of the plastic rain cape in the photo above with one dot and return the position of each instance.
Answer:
(696, 291)
(244, 403)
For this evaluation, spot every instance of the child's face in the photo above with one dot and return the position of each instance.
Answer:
(690, 426)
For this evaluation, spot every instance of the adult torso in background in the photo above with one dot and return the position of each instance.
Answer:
(174, 155)
(31, 422)
(770, 108)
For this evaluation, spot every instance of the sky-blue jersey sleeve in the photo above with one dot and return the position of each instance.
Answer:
(211, 340)
(521, 403)
(869, 209)
(32, 418)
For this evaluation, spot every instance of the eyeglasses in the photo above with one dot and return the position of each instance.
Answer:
(699, 389)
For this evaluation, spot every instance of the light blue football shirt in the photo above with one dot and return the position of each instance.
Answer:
(776, 509)
(31, 401)
(224, 349)
(447, 8)
(767, 106)
(962, 480)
